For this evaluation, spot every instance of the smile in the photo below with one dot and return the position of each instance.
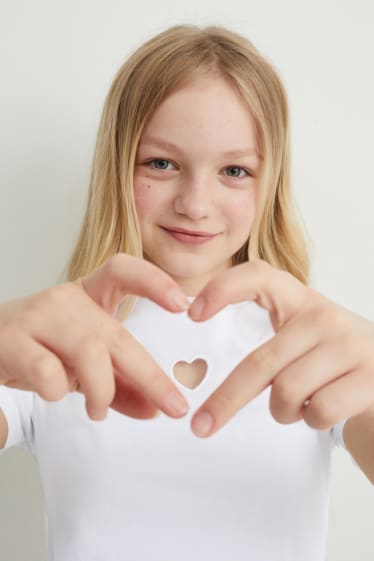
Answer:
(189, 237)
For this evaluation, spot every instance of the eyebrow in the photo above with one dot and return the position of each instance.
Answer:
(151, 140)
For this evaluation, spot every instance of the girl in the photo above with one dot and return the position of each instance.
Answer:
(189, 197)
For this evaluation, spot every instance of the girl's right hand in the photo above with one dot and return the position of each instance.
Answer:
(66, 339)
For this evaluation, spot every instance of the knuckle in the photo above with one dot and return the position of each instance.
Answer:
(356, 346)
(286, 274)
(325, 316)
(91, 347)
(284, 394)
(115, 263)
(48, 378)
(98, 400)
(263, 359)
(350, 344)
(91, 363)
(41, 304)
(44, 367)
(120, 339)
(9, 334)
(58, 295)
(260, 266)
(321, 414)
(288, 279)
(52, 392)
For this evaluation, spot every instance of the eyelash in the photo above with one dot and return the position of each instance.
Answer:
(249, 174)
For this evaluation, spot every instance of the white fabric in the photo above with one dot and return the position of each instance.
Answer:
(135, 490)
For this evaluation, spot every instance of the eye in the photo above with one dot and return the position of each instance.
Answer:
(236, 170)
(164, 163)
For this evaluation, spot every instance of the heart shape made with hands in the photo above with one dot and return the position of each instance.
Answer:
(199, 355)
(190, 374)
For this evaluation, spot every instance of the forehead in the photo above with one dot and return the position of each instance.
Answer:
(206, 112)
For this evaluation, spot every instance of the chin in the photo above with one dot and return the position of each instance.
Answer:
(190, 272)
(187, 267)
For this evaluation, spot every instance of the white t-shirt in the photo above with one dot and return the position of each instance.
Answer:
(133, 490)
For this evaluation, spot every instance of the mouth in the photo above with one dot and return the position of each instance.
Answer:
(188, 236)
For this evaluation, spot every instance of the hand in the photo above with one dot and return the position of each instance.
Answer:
(66, 338)
(320, 363)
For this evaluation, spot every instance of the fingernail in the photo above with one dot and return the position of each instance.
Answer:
(197, 308)
(179, 300)
(177, 404)
(202, 423)
(98, 414)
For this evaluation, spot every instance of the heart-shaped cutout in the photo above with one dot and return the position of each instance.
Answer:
(190, 374)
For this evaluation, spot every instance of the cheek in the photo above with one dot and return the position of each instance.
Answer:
(241, 208)
(146, 197)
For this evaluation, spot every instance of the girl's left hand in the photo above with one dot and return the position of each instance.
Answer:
(320, 363)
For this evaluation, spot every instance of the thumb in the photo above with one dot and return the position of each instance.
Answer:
(123, 274)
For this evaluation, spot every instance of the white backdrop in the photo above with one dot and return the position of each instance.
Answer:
(57, 61)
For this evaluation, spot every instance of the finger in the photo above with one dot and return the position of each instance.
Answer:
(94, 372)
(131, 402)
(137, 367)
(127, 399)
(25, 364)
(86, 358)
(124, 274)
(347, 396)
(277, 291)
(255, 372)
(128, 356)
(295, 385)
(18, 384)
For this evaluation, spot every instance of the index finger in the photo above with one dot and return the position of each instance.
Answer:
(277, 291)
(123, 274)
(134, 364)
(256, 372)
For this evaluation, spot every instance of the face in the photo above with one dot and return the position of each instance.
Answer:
(195, 181)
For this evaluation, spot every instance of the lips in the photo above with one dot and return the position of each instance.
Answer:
(190, 232)
(192, 237)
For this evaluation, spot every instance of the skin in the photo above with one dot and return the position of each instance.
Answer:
(53, 341)
(320, 364)
(197, 187)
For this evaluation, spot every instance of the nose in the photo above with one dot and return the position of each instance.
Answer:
(194, 199)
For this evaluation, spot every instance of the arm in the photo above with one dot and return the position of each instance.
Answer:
(3, 429)
(358, 437)
(51, 341)
(320, 362)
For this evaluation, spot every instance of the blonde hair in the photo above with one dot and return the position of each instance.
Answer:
(161, 65)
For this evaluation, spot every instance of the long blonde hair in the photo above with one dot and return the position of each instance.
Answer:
(162, 64)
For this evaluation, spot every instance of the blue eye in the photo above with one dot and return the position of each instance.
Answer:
(237, 168)
(159, 160)
(161, 164)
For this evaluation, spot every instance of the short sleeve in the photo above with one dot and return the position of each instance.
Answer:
(338, 439)
(17, 406)
(337, 434)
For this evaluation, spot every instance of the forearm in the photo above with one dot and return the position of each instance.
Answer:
(358, 436)
(3, 429)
